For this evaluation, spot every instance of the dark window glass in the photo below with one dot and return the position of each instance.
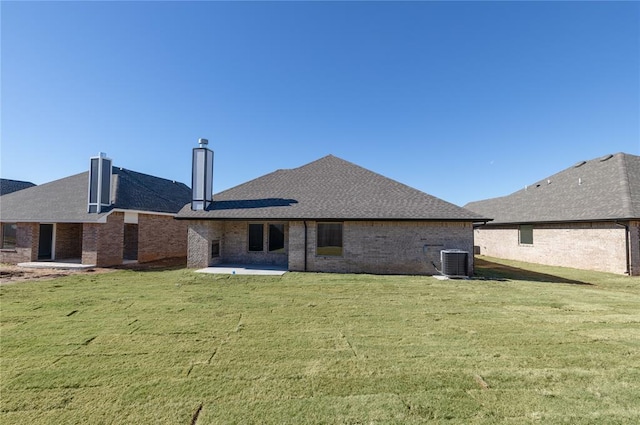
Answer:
(276, 237)
(215, 249)
(9, 233)
(526, 234)
(329, 239)
(256, 237)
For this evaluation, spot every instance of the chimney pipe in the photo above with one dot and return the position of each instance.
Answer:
(99, 195)
(201, 176)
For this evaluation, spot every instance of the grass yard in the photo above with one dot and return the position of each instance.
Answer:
(519, 345)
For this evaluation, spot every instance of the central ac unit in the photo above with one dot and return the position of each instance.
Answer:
(454, 262)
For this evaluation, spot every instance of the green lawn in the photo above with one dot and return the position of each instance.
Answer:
(517, 346)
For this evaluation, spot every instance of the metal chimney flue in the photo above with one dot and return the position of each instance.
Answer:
(201, 176)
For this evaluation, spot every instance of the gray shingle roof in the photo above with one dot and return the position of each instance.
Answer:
(605, 188)
(65, 200)
(10, 186)
(329, 188)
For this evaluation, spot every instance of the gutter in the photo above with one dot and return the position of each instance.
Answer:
(305, 245)
(329, 219)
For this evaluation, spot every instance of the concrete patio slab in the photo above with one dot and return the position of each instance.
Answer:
(62, 265)
(244, 269)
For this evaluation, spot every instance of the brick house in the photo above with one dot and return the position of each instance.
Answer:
(585, 217)
(327, 216)
(101, 217)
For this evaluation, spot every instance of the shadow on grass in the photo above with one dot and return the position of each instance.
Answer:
(494, 271)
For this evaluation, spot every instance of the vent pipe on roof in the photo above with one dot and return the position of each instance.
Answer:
(201, 176)
(99, 183)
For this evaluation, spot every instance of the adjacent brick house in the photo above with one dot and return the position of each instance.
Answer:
(586, 217)
(327, 216)
(100, 217)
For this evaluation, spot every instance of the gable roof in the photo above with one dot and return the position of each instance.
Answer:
(605, 188)
(10, 186)
(65, 200)
(329, 188)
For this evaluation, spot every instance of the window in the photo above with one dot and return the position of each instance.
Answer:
(526, 234)
(9, 232)
(215, 249)
(329, 239)
(256, 237)
(276, 238)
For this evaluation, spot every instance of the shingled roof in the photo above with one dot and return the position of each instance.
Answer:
(328, 189)
(10, 186)
(605, 188)
(65, 200)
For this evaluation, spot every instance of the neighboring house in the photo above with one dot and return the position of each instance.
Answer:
(101, 217)
(327, 216)
(586, 217)
(10, 186)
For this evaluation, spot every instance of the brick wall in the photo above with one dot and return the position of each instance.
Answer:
(130, 248)
(68, 240)
(383, 247)
(597, 246)
(200, 235)
(27, 236)
(102, 243)
(90, 243)
(236, 245)
(111, 240)
(161, 236)
(380, 247)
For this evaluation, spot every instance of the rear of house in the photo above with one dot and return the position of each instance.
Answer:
(327, 216)
(586, 216)
(103, 217)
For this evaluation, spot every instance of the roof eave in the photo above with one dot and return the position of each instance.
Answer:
(590, 220)
(469, 219)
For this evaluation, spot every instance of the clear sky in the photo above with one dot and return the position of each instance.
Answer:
(462, 100)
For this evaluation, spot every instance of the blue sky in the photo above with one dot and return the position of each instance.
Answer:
(464, 101)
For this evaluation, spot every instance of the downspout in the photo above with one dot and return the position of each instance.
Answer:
(305, 245)
(626, 240)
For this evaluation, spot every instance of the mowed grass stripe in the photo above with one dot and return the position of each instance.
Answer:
(176, 347)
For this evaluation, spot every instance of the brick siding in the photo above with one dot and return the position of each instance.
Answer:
(200, 235)
(68, 242)
(161, 236)
(384, 247)
(599, 246)
(90, 243)
(110, 244)
(380, 247)
(102, 244)
(27, 236)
